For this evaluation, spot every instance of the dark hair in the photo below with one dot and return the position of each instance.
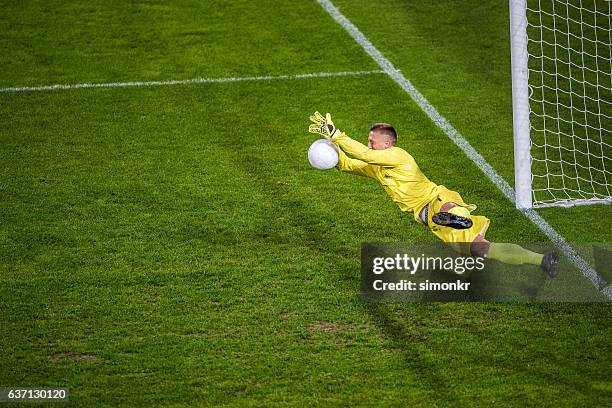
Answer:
(386, 129)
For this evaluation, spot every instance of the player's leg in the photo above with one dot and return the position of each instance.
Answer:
(507, 253)
(515, 255)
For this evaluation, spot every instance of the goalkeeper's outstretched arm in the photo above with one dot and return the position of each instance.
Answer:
(354, 166)
(324, 126)
(392, 156)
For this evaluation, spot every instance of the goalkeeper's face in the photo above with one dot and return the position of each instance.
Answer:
(379, 141)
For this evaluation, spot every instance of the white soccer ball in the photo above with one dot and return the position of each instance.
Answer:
(323, 154)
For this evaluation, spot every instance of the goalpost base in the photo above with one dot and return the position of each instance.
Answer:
(572, 203)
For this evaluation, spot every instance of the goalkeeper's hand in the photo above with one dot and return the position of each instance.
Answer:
(323, 125)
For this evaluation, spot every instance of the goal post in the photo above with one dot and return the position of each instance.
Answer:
(561, 101)
(520, 102)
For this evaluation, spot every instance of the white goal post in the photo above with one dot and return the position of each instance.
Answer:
(561, 101)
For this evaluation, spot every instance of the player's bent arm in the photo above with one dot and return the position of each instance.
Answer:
(393, 156)
(354, 166)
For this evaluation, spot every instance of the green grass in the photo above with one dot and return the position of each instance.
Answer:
(172, 246)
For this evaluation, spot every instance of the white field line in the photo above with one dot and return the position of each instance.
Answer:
(186, 81)
(386, 65)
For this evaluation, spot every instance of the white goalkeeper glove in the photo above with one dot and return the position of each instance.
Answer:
(323, 125)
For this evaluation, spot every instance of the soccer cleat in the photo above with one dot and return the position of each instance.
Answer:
(550, 264)
(455, 221)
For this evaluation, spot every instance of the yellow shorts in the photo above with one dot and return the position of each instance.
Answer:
(458, 239)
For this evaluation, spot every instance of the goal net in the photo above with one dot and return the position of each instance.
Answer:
(562, 101)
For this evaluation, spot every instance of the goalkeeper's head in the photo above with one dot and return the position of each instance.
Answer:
(381, 136)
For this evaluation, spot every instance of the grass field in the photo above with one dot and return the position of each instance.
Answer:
(170, 245)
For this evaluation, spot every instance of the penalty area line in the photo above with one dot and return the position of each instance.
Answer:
(60, 87)
(557, 239)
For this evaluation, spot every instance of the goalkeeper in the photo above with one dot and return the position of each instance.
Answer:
(440, 209)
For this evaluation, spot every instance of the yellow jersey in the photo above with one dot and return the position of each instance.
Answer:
(395, 169)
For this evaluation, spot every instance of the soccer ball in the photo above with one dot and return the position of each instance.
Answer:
(323, 154)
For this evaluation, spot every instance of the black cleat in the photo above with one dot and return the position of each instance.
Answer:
(550, 264)
(455, 221)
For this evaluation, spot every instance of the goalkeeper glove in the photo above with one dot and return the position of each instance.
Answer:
(323, 125)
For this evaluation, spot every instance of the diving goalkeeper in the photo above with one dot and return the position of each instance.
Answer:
(443, 211)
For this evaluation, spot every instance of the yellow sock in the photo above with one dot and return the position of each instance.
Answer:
(513, 254)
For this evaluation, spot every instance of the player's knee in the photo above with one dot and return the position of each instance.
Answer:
(447, 206)
(480, 246)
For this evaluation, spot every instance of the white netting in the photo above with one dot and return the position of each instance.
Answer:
(570, 98)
